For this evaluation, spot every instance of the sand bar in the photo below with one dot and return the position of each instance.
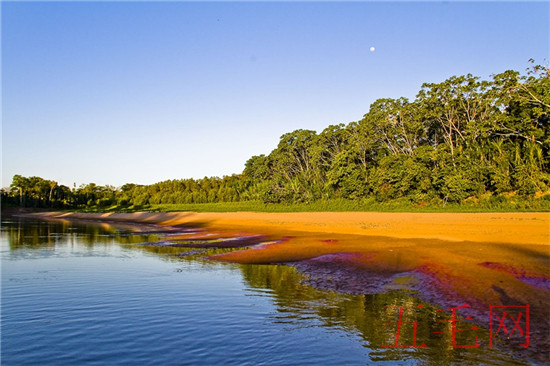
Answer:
(514, 228)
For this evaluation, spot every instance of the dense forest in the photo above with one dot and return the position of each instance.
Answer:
(463, 139)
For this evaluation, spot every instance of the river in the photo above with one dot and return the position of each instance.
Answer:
(94, 294)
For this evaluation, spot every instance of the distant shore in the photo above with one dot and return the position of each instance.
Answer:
(518, 228)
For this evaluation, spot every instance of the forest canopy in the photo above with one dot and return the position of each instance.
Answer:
(461, 139)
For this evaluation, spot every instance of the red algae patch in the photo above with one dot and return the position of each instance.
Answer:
(541, 281)
(346, 257)
(513, 270)
(287, 250)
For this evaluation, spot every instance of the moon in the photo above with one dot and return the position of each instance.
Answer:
(372, 49)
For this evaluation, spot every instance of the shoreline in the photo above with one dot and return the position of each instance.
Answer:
(446, 259)
(512, 228)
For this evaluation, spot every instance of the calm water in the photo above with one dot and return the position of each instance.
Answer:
(85, 294)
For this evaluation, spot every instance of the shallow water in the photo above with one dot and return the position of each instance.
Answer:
(84, 293)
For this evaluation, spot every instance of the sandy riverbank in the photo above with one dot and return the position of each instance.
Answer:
(514, 228)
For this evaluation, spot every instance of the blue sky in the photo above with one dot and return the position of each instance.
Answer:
(120, 92)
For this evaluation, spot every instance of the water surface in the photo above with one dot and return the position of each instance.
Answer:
(85, 293)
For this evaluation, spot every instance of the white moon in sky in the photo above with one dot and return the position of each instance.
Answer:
(372, 49)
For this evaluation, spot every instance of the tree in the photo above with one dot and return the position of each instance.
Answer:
(20, 184)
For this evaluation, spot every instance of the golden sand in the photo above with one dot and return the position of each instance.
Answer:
(513, 228)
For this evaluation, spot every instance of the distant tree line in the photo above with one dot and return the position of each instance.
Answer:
(462, 138)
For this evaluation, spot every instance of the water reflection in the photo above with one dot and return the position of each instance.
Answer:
(368, 315)
(25, 233)
(298, 305)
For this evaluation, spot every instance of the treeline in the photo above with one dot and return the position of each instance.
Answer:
(36, 192)
(462, 139)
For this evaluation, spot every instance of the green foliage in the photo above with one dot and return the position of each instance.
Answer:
(464, 143)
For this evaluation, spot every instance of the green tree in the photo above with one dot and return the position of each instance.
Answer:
(20, 184)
